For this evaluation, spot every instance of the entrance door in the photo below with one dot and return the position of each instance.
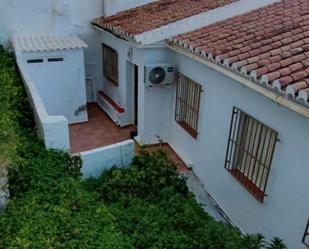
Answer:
(135, 96)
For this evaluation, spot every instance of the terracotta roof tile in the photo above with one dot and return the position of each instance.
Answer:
(157, 14)
(270, 45)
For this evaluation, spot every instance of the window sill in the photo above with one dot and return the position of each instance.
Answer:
(247, 183)
(193, 133)
(108, 99)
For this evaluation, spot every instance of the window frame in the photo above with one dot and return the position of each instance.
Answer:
(187, 106)
(35, 60)
(58, 59)
(257, 144)
(305, 239)
(106, 51)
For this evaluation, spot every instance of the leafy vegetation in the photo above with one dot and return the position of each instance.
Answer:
(146, 205)
(13, 108)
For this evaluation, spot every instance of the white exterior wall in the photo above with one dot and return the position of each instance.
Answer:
(97, 160)
(155, 103)
(285, 210)
(117, 93)
(61, 85)
(154, 112)
(53, 130)
(60, 17)
(55, 17)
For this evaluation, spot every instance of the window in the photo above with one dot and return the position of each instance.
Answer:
(110, 64)
(306, 235)
(188, 104)
(250, 151)
(60, 59)
(32, 61)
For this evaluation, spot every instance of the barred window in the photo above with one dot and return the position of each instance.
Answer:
(250, 152)
(188, 97)
(306, 235)
(110, 64)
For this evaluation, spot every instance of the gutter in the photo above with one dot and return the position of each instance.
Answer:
(281, 100)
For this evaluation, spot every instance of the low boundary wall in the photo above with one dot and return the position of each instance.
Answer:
(54, 130)
(97, 160)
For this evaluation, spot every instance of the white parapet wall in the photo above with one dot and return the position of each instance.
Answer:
(54, 130)
(97, 160)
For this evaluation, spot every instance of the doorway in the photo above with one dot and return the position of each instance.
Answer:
(135, 104)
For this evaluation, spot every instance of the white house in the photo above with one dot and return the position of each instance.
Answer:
(60, 73)
(53, 71)
(225, 83)
(238, 110)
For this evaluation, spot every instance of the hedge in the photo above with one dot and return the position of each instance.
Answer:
(146, 205)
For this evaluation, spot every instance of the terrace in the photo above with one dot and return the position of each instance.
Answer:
(98, 132)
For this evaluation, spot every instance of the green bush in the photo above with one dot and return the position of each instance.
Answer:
(14, 110)
(155, 209)
(145, 178)
(146, 205)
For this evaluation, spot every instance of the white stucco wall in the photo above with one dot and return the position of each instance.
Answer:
(53, 130)
(154, 105)
(61, 17)
(285, 210)
(58, 17)
(97, 160)
(61, 85)
(117, 93)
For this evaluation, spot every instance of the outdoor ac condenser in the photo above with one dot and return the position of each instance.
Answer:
(159, 74)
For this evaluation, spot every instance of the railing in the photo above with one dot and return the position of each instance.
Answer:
(188, 95)
(250, 152)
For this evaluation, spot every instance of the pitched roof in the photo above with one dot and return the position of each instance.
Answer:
(269, 45)
(154, 15)
(46, 43)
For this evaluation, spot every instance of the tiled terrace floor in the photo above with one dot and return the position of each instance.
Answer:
(99, 131)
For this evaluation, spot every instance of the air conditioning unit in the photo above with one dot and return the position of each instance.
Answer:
(159, 74)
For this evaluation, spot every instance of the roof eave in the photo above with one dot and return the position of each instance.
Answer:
(115, 31)
(131, 41)
(278, 97)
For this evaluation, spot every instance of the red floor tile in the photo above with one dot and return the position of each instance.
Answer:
(99, 131)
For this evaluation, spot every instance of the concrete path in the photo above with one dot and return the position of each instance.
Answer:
(202, 197)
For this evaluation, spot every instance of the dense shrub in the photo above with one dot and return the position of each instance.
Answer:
(155, 209)
(14, 111)
(146, 205)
